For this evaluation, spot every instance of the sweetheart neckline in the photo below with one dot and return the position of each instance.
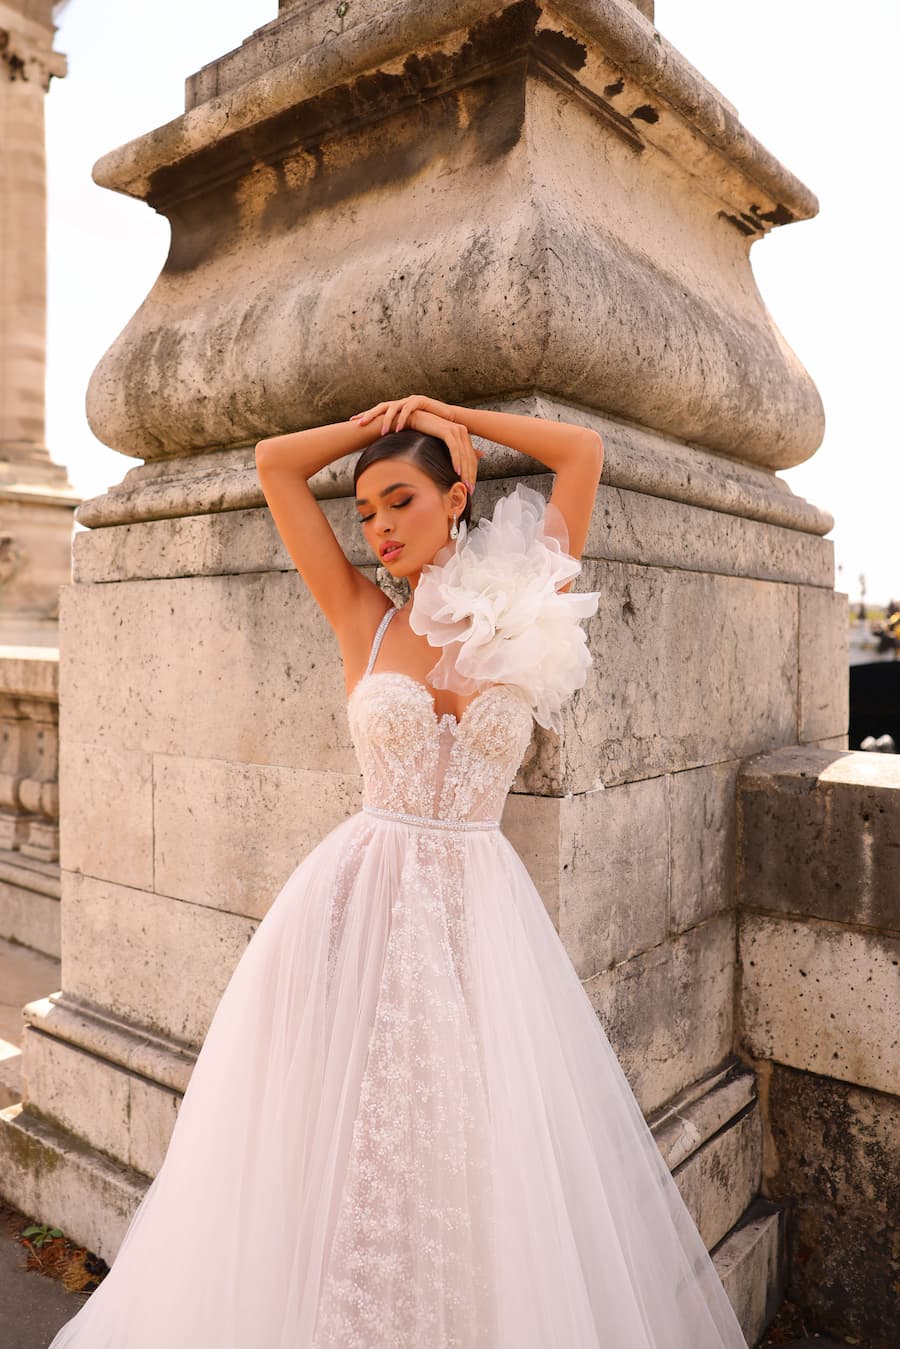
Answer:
(439, 717)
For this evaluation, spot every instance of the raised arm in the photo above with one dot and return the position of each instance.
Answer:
(284, 464)
(574, 453)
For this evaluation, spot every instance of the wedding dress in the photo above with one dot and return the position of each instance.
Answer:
(406, 1128)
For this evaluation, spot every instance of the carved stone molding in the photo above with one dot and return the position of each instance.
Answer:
(29, 772)
(21, 58)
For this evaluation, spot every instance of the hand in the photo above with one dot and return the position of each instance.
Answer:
(456, 437)
(401, 409)
(424, 414)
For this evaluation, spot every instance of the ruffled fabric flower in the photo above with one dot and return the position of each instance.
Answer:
(491, 600)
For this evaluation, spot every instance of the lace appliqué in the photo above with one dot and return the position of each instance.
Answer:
(411, 1255)
(412, 1249)
(414, 761)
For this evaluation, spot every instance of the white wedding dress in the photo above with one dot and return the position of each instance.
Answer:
(406, 1128)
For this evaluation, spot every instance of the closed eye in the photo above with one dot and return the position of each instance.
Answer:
(398, 505)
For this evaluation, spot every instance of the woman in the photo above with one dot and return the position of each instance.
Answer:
(406, 1126)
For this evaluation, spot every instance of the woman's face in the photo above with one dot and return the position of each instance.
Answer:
(398, 502)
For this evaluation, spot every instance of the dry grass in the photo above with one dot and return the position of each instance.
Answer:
(77, 1269)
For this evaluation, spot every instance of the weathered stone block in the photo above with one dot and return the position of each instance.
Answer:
(31, 916)
(237, 667)
(106, 813)
(668, 1011)
(614, 847)
(648, 706)
(57, 1179)
(701, 815)
(824, 693)
(158, 962)
(752, 1265)
(834, 1159)
(153, 1111)
(653, 531)
(532, 825)
(720, 1180)
(691, 1117)
(618, 869)
(820, 997)
(820, 835)
(126, 1117)
(228, 835)
(76, 1091)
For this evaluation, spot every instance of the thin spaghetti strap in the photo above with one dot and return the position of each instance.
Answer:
(379, 633)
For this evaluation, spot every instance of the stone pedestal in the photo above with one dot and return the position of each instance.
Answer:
(545, 210)
(36, 501)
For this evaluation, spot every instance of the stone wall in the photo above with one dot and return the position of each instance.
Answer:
(29, 798)
(819, 1009)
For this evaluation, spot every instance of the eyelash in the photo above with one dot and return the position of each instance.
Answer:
(363, 519)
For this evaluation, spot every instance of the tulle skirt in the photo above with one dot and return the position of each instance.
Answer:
(407, 1128)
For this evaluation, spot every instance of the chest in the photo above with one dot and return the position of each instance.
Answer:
(402, 651)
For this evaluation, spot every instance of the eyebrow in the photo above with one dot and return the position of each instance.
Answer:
(364, 501)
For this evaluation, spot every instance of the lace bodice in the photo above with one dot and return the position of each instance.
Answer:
(422, 764)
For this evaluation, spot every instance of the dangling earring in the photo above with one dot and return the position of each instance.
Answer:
(454, 531)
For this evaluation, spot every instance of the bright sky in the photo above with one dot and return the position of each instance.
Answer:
(808, 80)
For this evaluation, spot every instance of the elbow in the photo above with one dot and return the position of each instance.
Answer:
(595, 440)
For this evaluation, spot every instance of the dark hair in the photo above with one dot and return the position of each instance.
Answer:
(429, 453)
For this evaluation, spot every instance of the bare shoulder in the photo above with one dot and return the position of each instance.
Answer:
(350, 601)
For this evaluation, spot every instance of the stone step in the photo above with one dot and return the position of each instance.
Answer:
(25, 973)
(54, 1176)
(751, 1261)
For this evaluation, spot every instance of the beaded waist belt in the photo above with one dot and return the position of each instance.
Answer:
(423, 822)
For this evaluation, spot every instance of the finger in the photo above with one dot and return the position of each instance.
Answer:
(404, 413)
(455, 446)
(410, 405)
(469, 462)
(392, 409)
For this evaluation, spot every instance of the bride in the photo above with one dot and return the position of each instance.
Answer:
(406, 1127)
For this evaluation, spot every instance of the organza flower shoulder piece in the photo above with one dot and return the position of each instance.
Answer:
(491, 600)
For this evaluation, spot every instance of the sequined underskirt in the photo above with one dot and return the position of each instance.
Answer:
(407, 1128)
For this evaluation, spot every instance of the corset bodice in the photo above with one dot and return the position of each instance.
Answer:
(415, 761)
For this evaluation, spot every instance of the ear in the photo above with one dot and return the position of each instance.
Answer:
(458, 496)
